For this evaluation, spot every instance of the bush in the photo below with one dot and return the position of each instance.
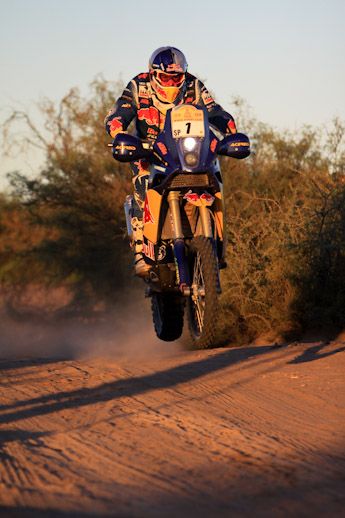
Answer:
(285, 236)
(284, 211)
(75, 203)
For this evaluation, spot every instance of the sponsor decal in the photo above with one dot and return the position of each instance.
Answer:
(239, 144)
(143, 76)
(213, 145)
(189, 100)
(162, 252)
(162, 148)
(152, 131)
(190, 196)
(232, 126)
(207, 197)
(125, 105)
(207, 98)
(143, 91)
(129, 148)
(194, 198)
(148, 218)
(149, 115)
(187, 113)
(115, 125)
(149, 250)
(174, 67)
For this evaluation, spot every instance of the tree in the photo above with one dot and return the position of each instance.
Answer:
(78, 196)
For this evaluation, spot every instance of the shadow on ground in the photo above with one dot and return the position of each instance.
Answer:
(134, 386)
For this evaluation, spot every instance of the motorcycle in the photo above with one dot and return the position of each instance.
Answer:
(183, 227)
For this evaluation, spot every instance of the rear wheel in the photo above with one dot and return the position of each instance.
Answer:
(202, 305)
(167, 314)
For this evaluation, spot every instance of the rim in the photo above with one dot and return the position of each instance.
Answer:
(198, 295)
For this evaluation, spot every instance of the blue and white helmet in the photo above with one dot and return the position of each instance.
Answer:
(167, 67)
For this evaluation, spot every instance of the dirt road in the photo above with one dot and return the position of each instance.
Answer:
(250, 431)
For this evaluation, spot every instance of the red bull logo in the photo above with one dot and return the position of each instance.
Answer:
(192, 197)
(149, 115)
(148, 218)
(207, 197)
(115, 126)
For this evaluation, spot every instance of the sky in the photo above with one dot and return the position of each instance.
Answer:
(286, 58)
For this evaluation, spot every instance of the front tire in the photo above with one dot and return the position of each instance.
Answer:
(167, 314)
(202, 305)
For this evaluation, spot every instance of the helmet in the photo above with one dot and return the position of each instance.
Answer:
(167, 67)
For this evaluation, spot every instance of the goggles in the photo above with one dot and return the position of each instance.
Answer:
(164, 79)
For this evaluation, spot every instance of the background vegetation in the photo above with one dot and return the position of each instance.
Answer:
(285, 219)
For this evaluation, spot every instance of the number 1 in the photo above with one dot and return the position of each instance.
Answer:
(188, 124)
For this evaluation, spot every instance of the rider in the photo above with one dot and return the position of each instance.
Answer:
(147, 98)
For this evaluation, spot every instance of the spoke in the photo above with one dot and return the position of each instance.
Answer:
(198, 282)
(198, 277)
(199, 317)
(195, 273)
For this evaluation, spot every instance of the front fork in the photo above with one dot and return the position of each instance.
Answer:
(182, 269)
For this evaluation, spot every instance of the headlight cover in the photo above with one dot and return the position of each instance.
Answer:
(191, 159)
(189, 152)
(189, 143)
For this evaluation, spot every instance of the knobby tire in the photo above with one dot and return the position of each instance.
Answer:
(203, 258)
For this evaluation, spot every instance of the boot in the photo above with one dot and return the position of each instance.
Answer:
(141, 268)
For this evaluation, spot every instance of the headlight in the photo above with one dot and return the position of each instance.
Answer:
(191, 159)
(189, 143)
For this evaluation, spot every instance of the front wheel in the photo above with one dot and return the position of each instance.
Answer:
(202, 304)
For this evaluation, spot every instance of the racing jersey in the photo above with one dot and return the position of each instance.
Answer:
(138, 101)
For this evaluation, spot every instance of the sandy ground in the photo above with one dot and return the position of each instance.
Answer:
(144, 429)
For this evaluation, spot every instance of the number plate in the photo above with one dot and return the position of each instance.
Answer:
(187, 121)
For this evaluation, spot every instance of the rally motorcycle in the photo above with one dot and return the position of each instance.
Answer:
(183, 234)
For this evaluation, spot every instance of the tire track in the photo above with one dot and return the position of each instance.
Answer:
(203, 432)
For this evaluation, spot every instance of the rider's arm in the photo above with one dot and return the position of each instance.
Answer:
(123, 112)
(218, 117)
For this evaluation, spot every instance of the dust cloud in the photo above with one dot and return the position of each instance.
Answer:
(125, 331)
